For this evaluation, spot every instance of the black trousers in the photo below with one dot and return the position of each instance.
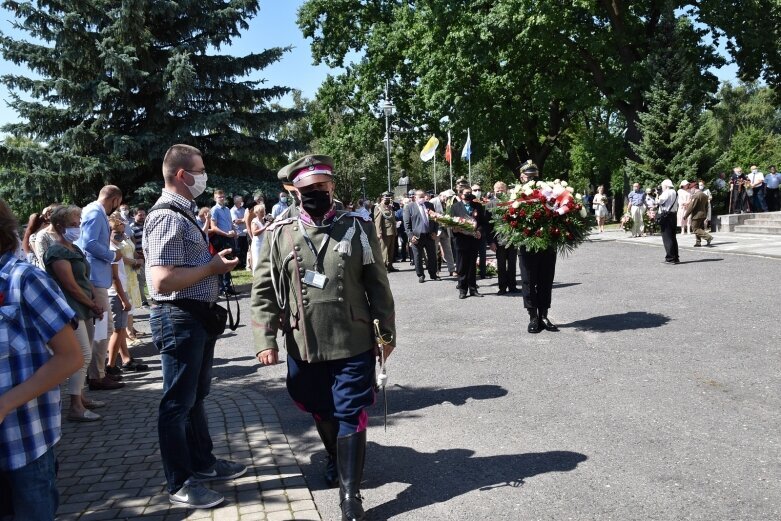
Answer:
(466, 264)
(771, 198)
(537, 272)
(505, 265)
(482, 253)
(425, 245)
(242, 246)
(401, 252)
(670, 241)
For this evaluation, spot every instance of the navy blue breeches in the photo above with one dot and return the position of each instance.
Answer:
(339, 389)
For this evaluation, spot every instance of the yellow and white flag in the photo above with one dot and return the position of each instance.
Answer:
(430, 149)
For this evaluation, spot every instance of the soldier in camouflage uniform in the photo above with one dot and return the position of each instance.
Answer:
(385, 224)
(321, 281)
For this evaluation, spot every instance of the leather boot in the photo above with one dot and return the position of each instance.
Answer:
(350, 455)
(328, 431)
(545, 323)
(534, 322)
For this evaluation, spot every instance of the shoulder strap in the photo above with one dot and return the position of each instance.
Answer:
(176, 209)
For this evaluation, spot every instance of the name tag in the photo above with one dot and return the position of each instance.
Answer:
(314, 279)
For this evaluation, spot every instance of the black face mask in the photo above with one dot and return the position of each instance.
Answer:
(470, 197)
(316, 202)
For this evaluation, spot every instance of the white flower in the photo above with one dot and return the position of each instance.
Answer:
(570, 189)
(517, 204)
(557, 181)
(583, 212)
(564, 184)
(540, 183)
(578, 197)
(527, 191)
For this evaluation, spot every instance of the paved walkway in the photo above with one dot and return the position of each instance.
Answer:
(723, 242)
(111, 469)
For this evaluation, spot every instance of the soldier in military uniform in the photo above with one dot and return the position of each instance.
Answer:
(320, 280)
(537, 271)
(385, 225)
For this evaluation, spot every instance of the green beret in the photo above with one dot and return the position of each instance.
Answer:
(307, 170)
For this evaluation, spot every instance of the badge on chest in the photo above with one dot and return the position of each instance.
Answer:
(314, 279)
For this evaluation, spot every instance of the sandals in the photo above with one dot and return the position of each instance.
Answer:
(93, 404)
(87, 416)
(132, 365)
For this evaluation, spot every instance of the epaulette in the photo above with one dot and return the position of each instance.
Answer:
(281, 222)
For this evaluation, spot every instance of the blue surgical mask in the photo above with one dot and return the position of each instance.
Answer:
(72, 234)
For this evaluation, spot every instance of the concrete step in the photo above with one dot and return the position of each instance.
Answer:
(768, 216)
(762, 221)
(761, 230)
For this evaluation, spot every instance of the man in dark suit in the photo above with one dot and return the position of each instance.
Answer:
(506, 256)
(422, 233)
(468, 244)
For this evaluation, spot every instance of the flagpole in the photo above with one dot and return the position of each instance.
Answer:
(435, 173)
(470, 169)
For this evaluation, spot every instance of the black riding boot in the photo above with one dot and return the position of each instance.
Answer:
(328, 431)
(350, 455)
(545, 323)
(534, 321)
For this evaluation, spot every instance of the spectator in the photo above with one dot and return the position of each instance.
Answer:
(258, 227)
(95, 243)
(45, 237)
(668, 206)
(45, 352)
(223, 236)
(444, 234)
(650, 209)
(67, 265)
(125, 214)
(249, 215)
(707, 192)
(35, 222)
(137, 230)
(637, 209)
(684, 196)
(772, 181)
(204, 220)
(237, 214)
(281, 206)
(757, 182)
(600, 208)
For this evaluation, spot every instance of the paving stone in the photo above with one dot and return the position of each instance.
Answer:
(302, 505)
(307, 515)
(282, 515)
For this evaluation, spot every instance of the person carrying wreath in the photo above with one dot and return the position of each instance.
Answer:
(537, 271)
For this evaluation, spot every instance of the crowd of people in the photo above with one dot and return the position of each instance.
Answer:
(77, 276)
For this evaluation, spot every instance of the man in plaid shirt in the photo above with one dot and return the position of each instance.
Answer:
(33, 313)
(183, 287)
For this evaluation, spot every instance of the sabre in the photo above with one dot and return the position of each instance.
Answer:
(382, 376)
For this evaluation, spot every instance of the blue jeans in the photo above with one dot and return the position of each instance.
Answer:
(187, 353)
(31, 491)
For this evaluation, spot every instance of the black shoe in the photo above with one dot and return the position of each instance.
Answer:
(513, 290)
(461, 294)
(391, 269)
(113, 370)
(351, 452)
(474, 293)
(502, 292)
(328, 431)
(421, 279)
(547, 324)
(698, 245)
(708, 242)
(436, 277)
(534, 325)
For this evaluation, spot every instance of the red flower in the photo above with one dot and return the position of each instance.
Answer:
(526, 231)
(514, 224)
(537, 214)
(512, 211)
(570, 236)
(538, 233)
(505, 217)
(555, 232)
(522, 213)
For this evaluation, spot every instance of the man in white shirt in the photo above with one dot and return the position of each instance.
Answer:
(757, 180)
(237, 215)
(281, 206)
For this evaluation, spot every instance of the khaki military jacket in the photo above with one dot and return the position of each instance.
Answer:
(331, 323)
(384, 225)
(698, 207)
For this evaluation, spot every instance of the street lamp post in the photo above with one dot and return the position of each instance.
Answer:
(387, 109)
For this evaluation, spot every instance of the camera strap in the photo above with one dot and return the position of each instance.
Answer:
(176, 209)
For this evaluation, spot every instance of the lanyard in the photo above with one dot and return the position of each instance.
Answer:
(318, 253)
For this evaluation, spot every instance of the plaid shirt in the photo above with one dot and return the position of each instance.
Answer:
(170, 239)
(32, 311)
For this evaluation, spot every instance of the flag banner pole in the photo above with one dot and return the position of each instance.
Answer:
(470, 169)
(435, 173)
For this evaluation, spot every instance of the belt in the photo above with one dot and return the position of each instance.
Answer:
(186, 304)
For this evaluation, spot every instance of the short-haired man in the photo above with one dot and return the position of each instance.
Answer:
(281, 206)
(385, 225)
(698, 211)
(38, 351)
(95, 242)
(637, 209)
(183, 287)
(223, 235)
(772, 182)
(421, 232)
(757, 181)
(237, 214)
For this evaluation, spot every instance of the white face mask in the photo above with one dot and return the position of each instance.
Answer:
(72, 234)
(199, 186)
(477, 193)
(702, 187)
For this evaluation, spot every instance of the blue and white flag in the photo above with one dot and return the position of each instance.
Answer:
(467, 152)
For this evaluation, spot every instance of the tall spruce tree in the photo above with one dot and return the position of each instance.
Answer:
(117, 82)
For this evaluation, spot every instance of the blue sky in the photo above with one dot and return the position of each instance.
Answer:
(274, 26)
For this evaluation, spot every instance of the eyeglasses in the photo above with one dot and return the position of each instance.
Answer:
(196, 172)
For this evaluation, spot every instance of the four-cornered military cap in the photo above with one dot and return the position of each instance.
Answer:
(529, 168)
(308, 170)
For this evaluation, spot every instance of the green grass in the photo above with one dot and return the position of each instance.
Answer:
(241, 277)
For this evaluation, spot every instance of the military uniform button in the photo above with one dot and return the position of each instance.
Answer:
(340, 276)
(297, 247)
(303, 291)
(341, 299)
(306, 301)
(295, 228)
(299, 258)
(340, 265)
(340, 287)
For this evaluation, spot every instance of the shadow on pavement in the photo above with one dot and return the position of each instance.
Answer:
(415, 398)
(619, 322)
(700, 260)
(565, 284)
(440, 476)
